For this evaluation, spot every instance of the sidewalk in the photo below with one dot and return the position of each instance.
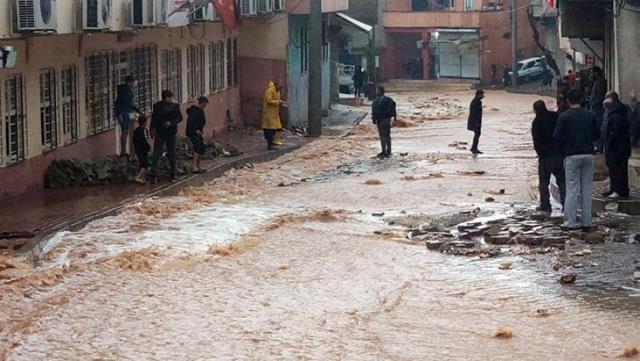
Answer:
(27, 219)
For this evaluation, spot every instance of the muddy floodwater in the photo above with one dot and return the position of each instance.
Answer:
(293, 260)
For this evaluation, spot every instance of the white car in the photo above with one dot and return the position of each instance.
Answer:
(345, 78)
(529, 69)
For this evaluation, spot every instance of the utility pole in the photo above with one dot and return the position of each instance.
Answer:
(314, 128)
(514, 44)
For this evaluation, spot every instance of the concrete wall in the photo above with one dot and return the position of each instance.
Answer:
(262, 59)
(57, 51)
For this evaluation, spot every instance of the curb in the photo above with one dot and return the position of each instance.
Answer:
(34, 249)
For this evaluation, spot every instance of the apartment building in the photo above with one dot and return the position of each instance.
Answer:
(429, 39)
(56, 101)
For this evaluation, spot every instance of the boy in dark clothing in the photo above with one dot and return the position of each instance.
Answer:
(124, 107)
(382, 110)
(142, 148)
(164, 127)
(196, 121)
(474, 122)
(549, 153)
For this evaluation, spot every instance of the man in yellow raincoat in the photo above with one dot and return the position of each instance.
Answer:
(271, 123)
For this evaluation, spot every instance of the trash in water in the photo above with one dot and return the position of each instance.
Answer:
(542, 312)
(495, 192)
(504, 333)
(471, 172)
(630, 351)
(506, 266)
(373, 182)
(489, 199)
(142, 260)
(568, 278)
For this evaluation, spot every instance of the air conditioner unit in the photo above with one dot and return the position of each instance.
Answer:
(149, 12)
(278, 5)
(36, 15)
(205, 13)
(248, 8)
(96, 14)
(265, 6)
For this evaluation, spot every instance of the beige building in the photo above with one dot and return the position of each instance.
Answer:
(57, 100)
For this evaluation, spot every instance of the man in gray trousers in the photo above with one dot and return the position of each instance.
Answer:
(576, 131)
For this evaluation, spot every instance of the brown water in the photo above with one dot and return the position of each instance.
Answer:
(309, 285)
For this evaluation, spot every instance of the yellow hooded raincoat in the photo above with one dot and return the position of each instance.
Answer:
(271, 108)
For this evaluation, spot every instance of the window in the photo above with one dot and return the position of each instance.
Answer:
(304, 50)
(141, 63)
(99, 92)
(14, 118)
(236, 78)
(171, 72)
(69, 104)
(48, 109)
(195, 71)
(229, 63)
(216, 74)
(221, 65)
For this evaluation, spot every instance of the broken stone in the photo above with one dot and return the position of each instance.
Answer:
(568, 278)
(434, 245)
(462, 244)
(584, 252)
(499, 239)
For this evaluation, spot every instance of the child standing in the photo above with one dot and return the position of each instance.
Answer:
(142, 147)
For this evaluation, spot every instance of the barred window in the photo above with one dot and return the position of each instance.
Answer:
(48, 109)
(236, 78)
(99, 92)
(195, 71)
(143, 66)
(69, 104)
(171, 72)
(14, 118)
(216, 66)
(229, 63)
(221, 66)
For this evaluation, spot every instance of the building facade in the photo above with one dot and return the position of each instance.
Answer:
(57, 100)
(429, 39)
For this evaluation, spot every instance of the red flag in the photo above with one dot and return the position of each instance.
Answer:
(226, 10)
(550, 4)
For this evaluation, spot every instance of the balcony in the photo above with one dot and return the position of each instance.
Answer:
(443, 6)
(453, 19)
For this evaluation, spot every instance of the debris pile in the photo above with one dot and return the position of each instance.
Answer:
(69, 173)
(491, 237)
(184, 149)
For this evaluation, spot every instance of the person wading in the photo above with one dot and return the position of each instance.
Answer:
(576, 131)
(382, 110)
(271, 123)
(124, 107)
(549, 153)
(196, 120)
(164, 126)
(474, 122)
(617, 146)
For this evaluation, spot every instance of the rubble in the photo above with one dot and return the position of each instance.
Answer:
(114, 169)
(184, 149)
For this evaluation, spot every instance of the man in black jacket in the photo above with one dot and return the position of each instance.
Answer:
(382, 110)
(617, 145)
(549, 153)
(576, 131)
(474, 122)
(196, 121)
(164, 126)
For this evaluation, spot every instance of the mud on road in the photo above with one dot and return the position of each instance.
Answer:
(294, 259)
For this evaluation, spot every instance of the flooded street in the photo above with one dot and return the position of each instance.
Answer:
(295, 259)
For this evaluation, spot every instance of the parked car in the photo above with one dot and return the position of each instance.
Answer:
(529, 69)
(345, 78)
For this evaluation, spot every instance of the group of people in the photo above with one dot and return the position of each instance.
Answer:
(566, 142)
(165, 117)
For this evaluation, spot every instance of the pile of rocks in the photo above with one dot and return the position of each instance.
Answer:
(491, 237)
(68, 173)
(184, 150)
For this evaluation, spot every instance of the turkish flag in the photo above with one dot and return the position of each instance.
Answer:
(226, 10)
(551, 4)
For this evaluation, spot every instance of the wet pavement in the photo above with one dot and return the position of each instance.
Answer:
(295, 259)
